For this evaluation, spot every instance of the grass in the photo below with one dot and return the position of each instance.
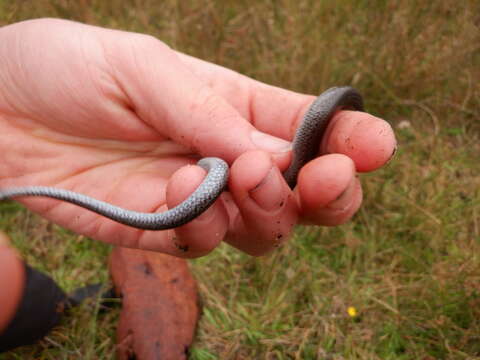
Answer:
(409, 262)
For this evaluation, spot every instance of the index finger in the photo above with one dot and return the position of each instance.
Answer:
(270, 109)
(368, 140)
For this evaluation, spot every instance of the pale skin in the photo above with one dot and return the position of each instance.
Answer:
(12, 279)
(122, 117)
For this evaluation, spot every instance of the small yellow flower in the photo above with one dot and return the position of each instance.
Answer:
(352, 311)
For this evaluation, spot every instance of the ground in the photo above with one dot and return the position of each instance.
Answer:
(402, 279)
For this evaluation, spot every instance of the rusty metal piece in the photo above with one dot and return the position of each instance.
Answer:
(159, 305)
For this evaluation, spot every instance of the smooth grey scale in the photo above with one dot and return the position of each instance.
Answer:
(306, 145)
(309, 135)
(199, 201)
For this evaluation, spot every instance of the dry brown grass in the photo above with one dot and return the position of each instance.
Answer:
(409, 262)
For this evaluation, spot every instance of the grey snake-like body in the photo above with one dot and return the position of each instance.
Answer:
(305, 148)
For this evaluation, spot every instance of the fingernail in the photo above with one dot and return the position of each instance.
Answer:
(270, 143)
(268, 193)
(3, 239)
(344, 199)
(393, 154)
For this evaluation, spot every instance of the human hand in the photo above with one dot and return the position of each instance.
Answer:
(117, 116)
(12, 282)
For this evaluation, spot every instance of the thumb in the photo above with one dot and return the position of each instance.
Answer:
(12, 279)
(4, 239)
(170, 98)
